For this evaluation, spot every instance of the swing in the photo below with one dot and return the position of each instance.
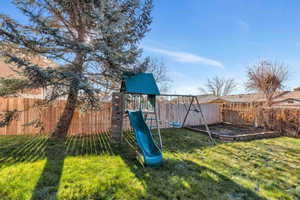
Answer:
(176, 124)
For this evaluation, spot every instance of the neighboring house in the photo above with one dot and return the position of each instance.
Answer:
(290, 102)
(208, 99)
(7, 69)
(289, 99)
(240, 98)
(282, 99)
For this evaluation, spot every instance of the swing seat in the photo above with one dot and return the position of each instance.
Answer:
(175, 124)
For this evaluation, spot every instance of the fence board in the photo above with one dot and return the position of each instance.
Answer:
(82, 123)
(285, 120)
(89, 122)
(176, 112)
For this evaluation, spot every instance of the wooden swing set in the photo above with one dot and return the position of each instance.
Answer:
(132, 97)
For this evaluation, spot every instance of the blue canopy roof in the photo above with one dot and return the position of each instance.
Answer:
(142, 83)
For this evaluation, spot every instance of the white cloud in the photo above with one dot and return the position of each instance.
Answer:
(183, 84)
(185, 57)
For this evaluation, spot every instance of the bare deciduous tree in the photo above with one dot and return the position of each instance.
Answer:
(219, 86)
(158, 69)
(267, 77)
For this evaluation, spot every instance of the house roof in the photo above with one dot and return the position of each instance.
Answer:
(206, 98)
(295, 94)
(249, 98)
(283, 98)
(240, 98)
(142, 83)
(289, 99)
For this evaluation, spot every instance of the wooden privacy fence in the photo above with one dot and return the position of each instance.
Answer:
(169, 112)
(238, 113)
(284, 120)
(42, 120)
(176, 113)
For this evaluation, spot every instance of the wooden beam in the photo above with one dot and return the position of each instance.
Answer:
(188, 111)
(177, 95)
(205, 122)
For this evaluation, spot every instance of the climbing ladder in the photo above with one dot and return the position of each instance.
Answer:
(154, 118)
(117, 117)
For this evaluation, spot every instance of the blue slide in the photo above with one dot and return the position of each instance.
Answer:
(152, 154)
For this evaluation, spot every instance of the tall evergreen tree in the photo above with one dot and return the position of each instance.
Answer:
(91, 42)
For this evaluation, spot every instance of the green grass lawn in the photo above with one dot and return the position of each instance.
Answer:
(89, 167)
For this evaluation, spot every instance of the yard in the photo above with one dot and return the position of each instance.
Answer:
(89, 167)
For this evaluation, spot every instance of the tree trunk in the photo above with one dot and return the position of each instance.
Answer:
(269, 101)
(64, 122)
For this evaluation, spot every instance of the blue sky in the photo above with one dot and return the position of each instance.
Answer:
(198, 39)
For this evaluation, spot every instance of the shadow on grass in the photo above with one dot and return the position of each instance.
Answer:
(179, 140)
(48, 183)
(25, 149)
(56, 152)
(180, 178)
(21, 149)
